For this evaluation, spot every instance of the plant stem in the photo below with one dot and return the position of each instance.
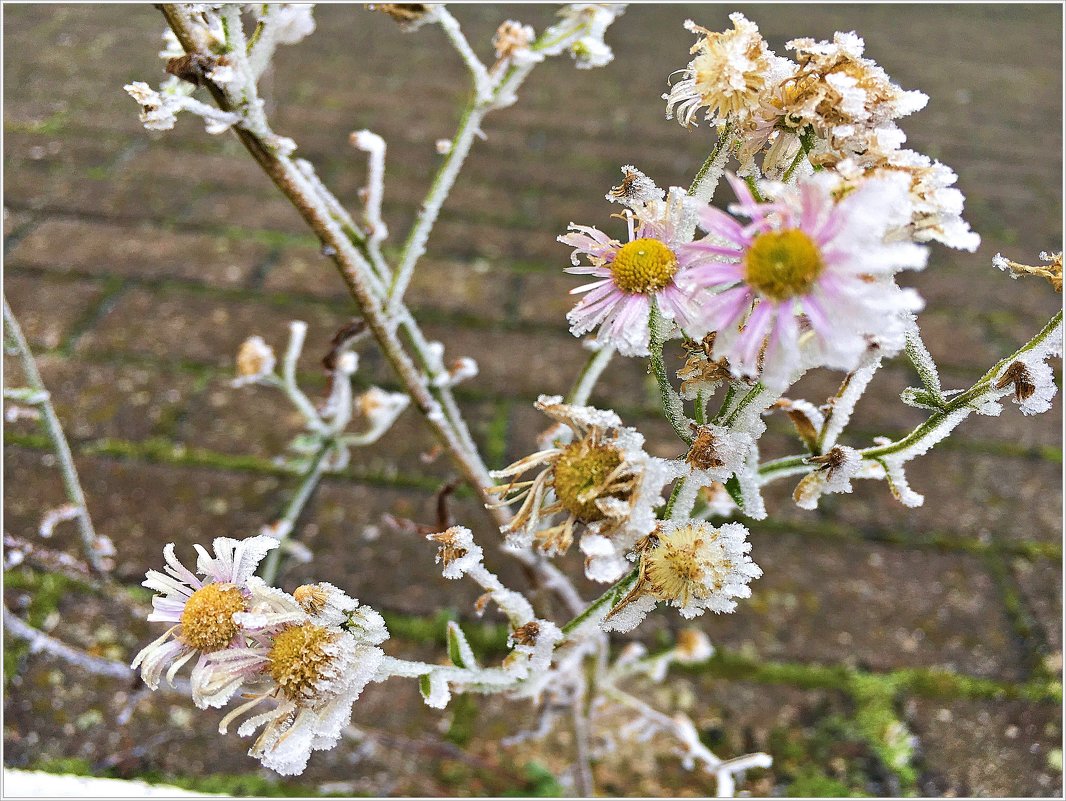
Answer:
(589, 375)
(744, 402)
(359, 276)
(54, 430)
(609, 598)
(415, 245)
(791, 465)
(673, 409)
(754, 187)
(806, 142)
(584, 784)
(287, 522)
(679, 487)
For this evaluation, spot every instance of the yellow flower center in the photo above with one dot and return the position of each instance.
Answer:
(207, 622)
(783, 264)
(580, 468)
(685, 564)
(643, 266)
(298, 657)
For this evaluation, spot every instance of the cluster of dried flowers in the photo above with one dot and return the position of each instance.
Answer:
(798, 274)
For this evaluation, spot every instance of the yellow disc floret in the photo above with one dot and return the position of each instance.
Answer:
(207, 623)
(643, 266)
(783, 264)
(298, 657)
(687, 563)
(580, 469)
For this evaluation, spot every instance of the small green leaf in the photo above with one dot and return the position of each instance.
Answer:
(459, 650)
(732, 486)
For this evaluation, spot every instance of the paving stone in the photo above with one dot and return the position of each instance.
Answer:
(143, 252)
(474, 288)
(32, 486)
(873, 606)
(985, 497)
(988, 748)
(1041, 587)
(119, 401)
(247, 210)
(15, 221)
(140, 506)
(180, 324)
(49, 308)
(110, 199)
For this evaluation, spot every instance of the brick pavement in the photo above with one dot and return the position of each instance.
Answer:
(138, 262)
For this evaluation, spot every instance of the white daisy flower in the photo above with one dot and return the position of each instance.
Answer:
(202, 611)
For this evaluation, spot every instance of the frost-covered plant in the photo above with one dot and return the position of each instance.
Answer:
(799, 274)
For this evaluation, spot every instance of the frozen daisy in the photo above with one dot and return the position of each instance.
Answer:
(629, 277)
(597, 478)
(309, 655)
(581, 30)
(727, 77)
(691, 565)
(810, 272)
(201, 611)
(936, 205)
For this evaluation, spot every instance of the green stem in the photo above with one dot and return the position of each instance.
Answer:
(746, 401)
(671, 401)
(609, 598)
(754, 187)
(730, 392)
(295, 508)
(700, 412)
(52, 426)
(806, 142)
(959, 402)
(716, 151)
(589, 375)
(672, 502)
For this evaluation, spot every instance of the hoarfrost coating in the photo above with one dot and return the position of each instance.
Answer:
(797, 275)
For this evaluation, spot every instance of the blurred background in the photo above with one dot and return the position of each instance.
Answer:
(138, 262)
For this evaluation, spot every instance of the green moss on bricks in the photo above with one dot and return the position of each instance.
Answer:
(496, 434)
(541, 783)
(812, 783)
(486, 640)
(46, 590)
(878, 724)
(164, 451)
(49, 126)
(926, 682)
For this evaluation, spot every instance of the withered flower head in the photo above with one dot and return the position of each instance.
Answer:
(1018, 374)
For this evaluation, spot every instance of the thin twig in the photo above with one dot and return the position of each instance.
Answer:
(358, 274)
(589, 375)
(41, 642)
(953, 412)
(71, 483)
(287, 522)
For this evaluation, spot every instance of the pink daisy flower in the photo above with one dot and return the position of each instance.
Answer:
(809, 280)
(649, 267)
